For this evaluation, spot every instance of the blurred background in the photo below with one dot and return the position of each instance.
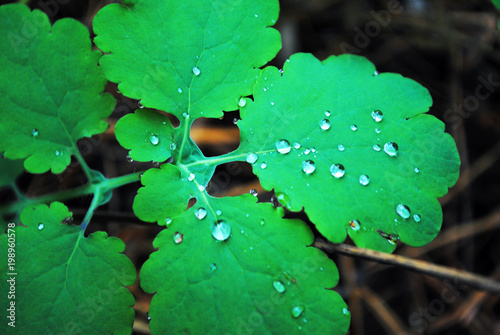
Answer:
(450, 47)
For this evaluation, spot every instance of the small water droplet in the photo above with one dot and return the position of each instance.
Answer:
(262, 222)
(364, 179)
(355, 225)
(173, 146)
(200, 213)
(308, 167)
(34, 132)
(254, 192)
(354, 127)
(391, 149)
(263, 165)
(141, 106)
(279, 286)
(58, 153)
(213, 266)
(196, 71)
(346, 311)
(375, 73)
(283, 146)
(185, 115)
(296, 145)
(178, 237)
(252, 158)
(155, 164)
(168, 221)
(307, 151)
(40, 226)
(218, 212)
(417, 218)
(324, 124)
(376, 147)
(191, 176)
(403, 211)
(235, 121)
(242, 103)
(417, 170)
(337, 170)
(377, 130)
(327, 113)
(179, 90)
(242, 231)
(154, 139)
(377, 116)
(297, 311)
(341, 147)
(201, 188)
(272, 103)
(129, 159)
(221, 230)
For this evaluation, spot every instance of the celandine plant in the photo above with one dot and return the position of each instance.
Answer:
(351, 147)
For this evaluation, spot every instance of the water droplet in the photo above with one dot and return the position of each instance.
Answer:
(297, 311)
(417, 170)
(141, 106)
(254, 192)
(34, 132)
(341, 147)
(377, 147)
(279, 286)
(191, 176)
(307, 151)
(308, 167)
(252, 158)
(375, 73)
(221, 230)
(283, 146)
(185, 115)
(327, 113)
(155, 164)
(346, 311)
(354, 127)
(337, 170)
(235, 121)
(58, 153)
(129, 159)
(377, 115)
(263, 165)
(296, 145)
(272, 103)
(242, 103)
(391, 149)
(324, 124)
(179, 90)
(355, 225)
(364, 179)
(417, 218)
(403, 211)
(178, 237)
(242, 231)
(377, 130)
(154, 139)
(168, 221)
(173, 146)
(218, 212)
(196, 71)
(262, 222)
(201, 188)
(213, 266)
(40, 226)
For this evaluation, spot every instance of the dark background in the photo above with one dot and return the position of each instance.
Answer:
(451, 48)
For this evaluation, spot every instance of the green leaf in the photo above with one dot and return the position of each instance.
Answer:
(208, 286)
(11, 169)
(66, 282)
(323, 110)
(147, 134)
(189, 57)
(496, 3)
(56, 98)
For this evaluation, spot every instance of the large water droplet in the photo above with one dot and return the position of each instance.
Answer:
(154, 139)
(337, 170)
(376, 147)
(403, 211)
(297, 311)
(364, 179)
(355, 225)
(279, 286)
(354, 127)
(283, 146)
(308, 167)
(200, 213)
(341, 147)
(40, 226)
(178, 237)
(324, 124)
(377, 115)
(242, 103)
(196, 71)
(391, 149)
(34, 132)
(221, 230)
(252, 158)
(417, 218)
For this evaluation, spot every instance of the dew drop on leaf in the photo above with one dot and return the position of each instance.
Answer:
(58, 153)
(337, 170)
(346, 311)
(297, 311)
(355, 225)
(296, 145)
(354, 127)
(200, 213)
(235, 121)
(242, 103)
(252, 158)
(283, 146)
(403, 211)
(417, 218)
(391, 149)
(201, 188)
(218, 212)
(417, 170)
(179, 90)
(308, 167)
(221, 230)
(279, 286)
(40, 226)
(377, 115)
(141, 106)
(178, 237)
(168, 221)
(327, 113)
(377, 130)
(254, 192)
(341, 147)
(155, 164)
(191, 176)
(129, 159)
(196, 71)
(34, 132)
(324, 124)
(173, 146)
(364, 179)
(154, 139)
(262, 222)
(307, 151)
(377, 147)
(263, 165)
(213, 266)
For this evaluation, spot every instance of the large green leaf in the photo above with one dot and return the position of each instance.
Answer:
(50, 92)
(317, 129)
(258, 278)
(65, 282)
(194, 57)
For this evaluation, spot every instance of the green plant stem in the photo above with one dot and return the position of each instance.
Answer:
(471, 279)
(96, 200)
(86, 169)
(106, 184)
